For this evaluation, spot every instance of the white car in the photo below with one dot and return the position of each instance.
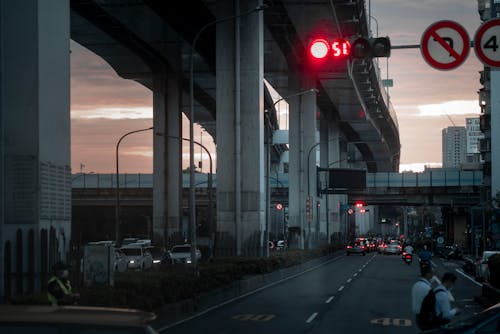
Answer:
(137, 257)
(182, 254)
(482, 270)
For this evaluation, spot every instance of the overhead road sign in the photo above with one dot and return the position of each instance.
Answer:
(486, 43)
(445, 45)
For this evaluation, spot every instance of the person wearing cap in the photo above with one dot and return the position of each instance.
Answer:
(59, 290)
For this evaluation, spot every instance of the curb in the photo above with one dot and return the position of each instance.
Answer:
(174, 313)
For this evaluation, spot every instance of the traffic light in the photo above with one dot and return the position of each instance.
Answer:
(322, 48)
(363, 47)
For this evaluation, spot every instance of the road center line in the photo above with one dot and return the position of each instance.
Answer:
(311, 318)
(355, 274)
(329, 300)
(468, 277)
(349, 280)
(164, 328)
(360, 270)
(341, 288)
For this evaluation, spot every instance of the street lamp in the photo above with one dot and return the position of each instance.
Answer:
(117, 208)
(192, 215)
(210, 179)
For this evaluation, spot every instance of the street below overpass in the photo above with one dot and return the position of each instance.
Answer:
(348, 294)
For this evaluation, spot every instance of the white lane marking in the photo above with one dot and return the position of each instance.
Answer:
(360, 270)
(349, 280)
(468, 277)
(311, 318)
(433, 264)
(162, 329)
(341, 288)
(355, 274)
(328, 301)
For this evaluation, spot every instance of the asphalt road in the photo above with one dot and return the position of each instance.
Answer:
(350, 294)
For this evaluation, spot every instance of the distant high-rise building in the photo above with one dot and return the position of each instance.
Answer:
(454, 146)
(474, 135)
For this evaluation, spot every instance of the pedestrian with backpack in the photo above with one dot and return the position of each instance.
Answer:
(420, 289)
(436, 307)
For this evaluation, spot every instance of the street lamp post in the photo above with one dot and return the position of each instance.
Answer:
(192, 216)
(117, 207)
(209, 181)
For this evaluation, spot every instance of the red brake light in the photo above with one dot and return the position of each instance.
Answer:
(349, 246)
(319, 48)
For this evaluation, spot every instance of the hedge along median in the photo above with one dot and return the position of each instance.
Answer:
(152, 290)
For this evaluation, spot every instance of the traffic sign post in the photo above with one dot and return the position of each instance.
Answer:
(487, 43)
(445, 45)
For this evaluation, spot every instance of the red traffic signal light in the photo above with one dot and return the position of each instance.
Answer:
(279, 206)
(319, 48)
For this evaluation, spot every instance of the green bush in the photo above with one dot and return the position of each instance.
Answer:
(152, 289)
(494, 268)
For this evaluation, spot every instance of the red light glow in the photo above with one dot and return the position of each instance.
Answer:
(319, 48)
(341, 48)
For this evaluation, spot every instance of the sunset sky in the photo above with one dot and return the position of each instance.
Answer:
(104, 106)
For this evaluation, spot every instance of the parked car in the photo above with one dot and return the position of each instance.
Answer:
(74, 319)
(137, 256)
(482, 270)
(487, 321)
(182, 253)
(394, 247)
(356, 248)
(159, 254)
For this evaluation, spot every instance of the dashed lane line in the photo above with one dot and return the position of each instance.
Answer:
(355, 274)
(349, 280)
(328, 301)
(341, 288)
(311, 318)
(164, 328)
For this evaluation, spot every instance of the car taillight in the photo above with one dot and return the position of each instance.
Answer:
(385, 246)
(404, 253)
(349, 246)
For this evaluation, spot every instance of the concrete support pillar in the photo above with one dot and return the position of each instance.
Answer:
(302, 173)
(35, 172)
(324, 228)
(495, 133)
(240, 129)
(167, 159)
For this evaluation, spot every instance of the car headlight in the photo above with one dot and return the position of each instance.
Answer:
(188, 260)
(132, 261)
(156, 261)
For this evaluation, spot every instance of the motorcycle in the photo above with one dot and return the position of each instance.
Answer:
(455, 253)
(407, 258)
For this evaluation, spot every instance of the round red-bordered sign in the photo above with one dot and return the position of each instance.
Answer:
(486, 43)
(445, 45)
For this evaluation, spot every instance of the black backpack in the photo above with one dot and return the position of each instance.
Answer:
(427, 318)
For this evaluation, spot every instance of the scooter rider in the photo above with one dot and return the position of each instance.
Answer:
(425, 256)
(409, 249)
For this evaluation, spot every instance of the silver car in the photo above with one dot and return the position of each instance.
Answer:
(393, 248)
